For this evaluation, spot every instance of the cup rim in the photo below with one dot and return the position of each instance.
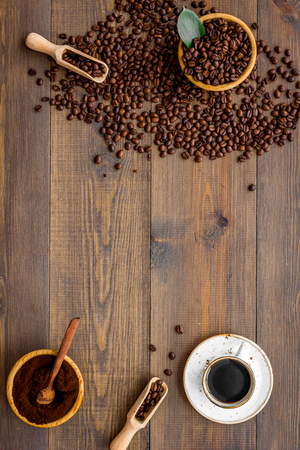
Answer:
(248, 69)
(217, 402)
(10, 383)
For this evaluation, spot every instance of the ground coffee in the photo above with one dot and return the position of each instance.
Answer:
(32, 377)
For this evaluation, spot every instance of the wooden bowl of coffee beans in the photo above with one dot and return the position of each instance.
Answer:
(207, 63)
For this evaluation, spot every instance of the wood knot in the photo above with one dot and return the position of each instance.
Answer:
(223, 222)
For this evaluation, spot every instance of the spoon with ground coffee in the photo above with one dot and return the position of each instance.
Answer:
(70, 58)
(47, 394)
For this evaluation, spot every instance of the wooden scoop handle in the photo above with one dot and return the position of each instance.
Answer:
(63, 350)
(40, 44)
(123, 439)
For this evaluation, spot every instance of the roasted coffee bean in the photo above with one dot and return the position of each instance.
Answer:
(32, 72)
(277, 94)
(255, 26)
(252, 187)
(38, 108)
(288, 52)
(141, 56)
(153, 396)
(172, 355)
(281, 88)
(179, 329)
(87, 65)
(45, 99)
(168, 372)
(120, 154)
(152, 348)
(39, 81)
(97, 159)
(118, 166)
(213, 72)
(62, 36)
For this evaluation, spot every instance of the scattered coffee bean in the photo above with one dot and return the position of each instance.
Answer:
(62, 36)
(288, 52)
(38, 108)
(277, 94)
(168, 372)
(39, 81)
(255, 26)
(45, 99)
(143, 68)
(97, 159)
(152, 348)
(179, 329)
(118, 166)
(172, 355)
(252, 187)
(32, 72)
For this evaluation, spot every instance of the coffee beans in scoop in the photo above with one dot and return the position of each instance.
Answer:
(151, 400)
(221, 56)
(87, 65)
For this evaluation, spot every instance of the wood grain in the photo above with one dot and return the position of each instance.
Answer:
(199, 273)
(100, 237)
(203, 277)
(278, 282)
(24, 207)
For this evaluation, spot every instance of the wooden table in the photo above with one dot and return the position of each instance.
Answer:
(135, 254)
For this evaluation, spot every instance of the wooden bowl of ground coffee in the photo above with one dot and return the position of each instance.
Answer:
(247, 70)
(26, 379)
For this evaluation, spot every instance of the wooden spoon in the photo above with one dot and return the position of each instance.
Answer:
(122, 440)
(47, 394)
(40, 44)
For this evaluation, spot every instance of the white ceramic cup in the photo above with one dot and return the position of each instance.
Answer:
(216, 401)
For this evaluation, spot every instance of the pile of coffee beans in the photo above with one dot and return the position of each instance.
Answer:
(221, 56)
(152, 399)
(91, 67)
(146, 93)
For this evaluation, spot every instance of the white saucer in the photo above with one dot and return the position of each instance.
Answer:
(222, 345)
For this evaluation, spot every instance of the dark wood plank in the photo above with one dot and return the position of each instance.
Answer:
(203, 277)
(24, 207)
(100, 236)
(278, 228)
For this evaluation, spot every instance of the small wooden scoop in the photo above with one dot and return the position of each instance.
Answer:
(40, 44)
(47, 394)
(133, 424)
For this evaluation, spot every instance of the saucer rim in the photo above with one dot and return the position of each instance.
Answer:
(231, 422)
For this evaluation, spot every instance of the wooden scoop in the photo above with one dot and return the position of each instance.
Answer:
(47, 394)
(133, 424)
(40, 44)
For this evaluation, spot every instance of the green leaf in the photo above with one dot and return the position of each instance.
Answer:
(189, 27)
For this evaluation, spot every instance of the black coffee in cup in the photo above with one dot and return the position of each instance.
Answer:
(229, 380)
